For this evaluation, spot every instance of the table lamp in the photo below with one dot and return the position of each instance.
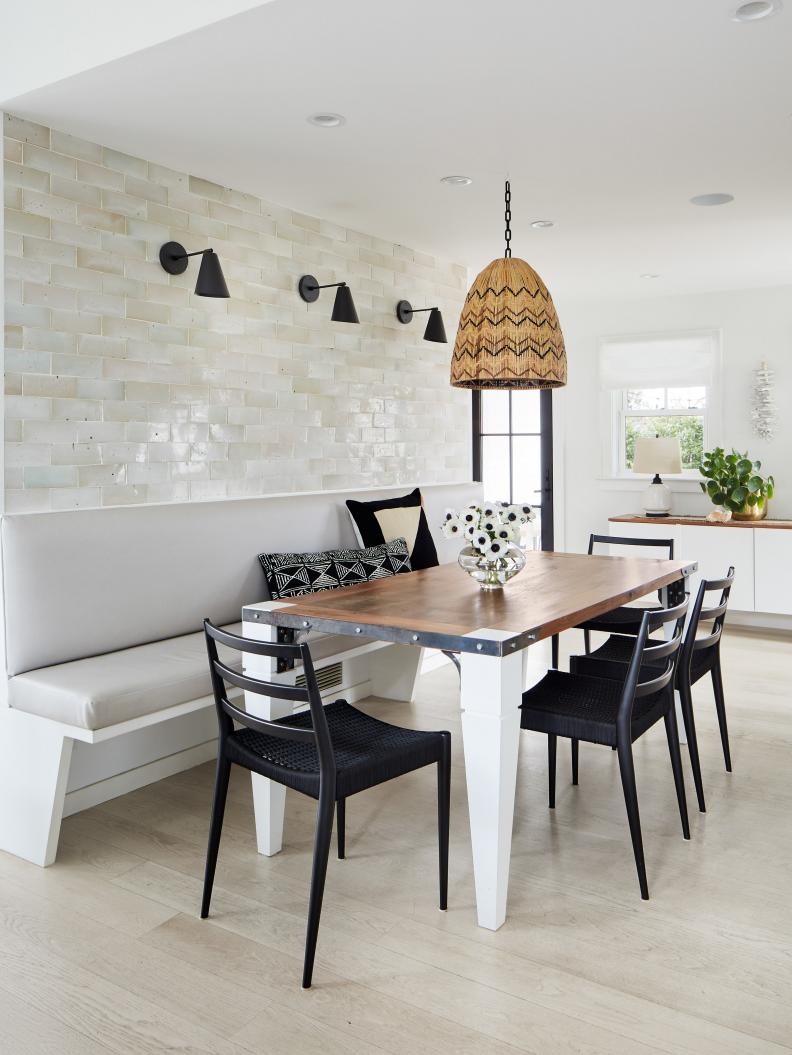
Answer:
(657, 454)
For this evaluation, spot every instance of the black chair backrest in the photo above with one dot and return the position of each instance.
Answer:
(645, 656)
(699, 614)
(617, 540)
(228, 713)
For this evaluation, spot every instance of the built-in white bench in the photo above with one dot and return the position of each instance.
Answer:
(106, 682)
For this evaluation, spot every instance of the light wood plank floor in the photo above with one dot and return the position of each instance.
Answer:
(104, 952)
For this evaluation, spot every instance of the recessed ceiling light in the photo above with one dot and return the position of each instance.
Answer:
(457, 181)
(541, 224)
(756, 9)
(326, 120)
(650, 274)
(711, 199)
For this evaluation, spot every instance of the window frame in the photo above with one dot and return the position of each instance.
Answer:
(545, 434)
(612, 402)
(622, 412)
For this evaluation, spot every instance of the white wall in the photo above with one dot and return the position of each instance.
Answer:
(754, 325)
(122, 386)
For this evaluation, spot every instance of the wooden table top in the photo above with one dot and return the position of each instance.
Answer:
(632, 518)
(443, 607)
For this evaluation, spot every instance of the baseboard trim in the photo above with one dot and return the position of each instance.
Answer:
(122, 783)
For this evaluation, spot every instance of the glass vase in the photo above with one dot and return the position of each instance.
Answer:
(492, 573)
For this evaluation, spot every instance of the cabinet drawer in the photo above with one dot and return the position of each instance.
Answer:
(773, 557)
(716, 549)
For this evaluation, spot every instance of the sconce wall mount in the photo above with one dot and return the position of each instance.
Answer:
(344, 307)
(435, 330)
(211, 282)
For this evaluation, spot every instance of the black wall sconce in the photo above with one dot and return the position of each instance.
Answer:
(435, 330)
(211, 283)
(344, 306)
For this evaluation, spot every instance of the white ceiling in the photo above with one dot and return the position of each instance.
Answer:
(46, 40)
(607, 118)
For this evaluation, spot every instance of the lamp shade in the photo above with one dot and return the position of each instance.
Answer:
(211, 282)
(344, 306)
(509, 335)
(657, 454)
(435, 330)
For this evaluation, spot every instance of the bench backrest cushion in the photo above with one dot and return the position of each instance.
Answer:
(89, 581)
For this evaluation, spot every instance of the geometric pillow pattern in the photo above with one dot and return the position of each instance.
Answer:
(296, 574)
(371, 531)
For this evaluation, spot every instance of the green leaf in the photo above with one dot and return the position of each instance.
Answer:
(744, 466)
(719, 498)
(770, 490)
(752, 500)
(739, 495)
(756, 483)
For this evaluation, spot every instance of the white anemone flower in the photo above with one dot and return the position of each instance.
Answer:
(470, 517)
(481, 541)
(452, 527)
(496, 548)
(489, 509)
(470, 531)
(489, 524)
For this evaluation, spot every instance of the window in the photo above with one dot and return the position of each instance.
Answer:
(661, 385)
(663, 412)
(512, 450)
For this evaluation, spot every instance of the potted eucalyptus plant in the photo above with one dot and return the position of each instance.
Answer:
(733, 481)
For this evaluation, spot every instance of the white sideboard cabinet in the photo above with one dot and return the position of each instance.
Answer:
(761, 553)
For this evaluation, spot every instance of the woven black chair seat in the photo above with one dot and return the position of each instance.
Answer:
(610, 659)
(622, 620)
(367, 751)
(585, 708)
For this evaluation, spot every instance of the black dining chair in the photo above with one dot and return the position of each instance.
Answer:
(602, 711)
(327, 753)
(624, 619)
(698, 656)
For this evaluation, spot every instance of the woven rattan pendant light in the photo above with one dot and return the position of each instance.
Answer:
(508, 335)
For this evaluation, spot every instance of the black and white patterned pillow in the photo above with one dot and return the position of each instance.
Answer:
(295, 574)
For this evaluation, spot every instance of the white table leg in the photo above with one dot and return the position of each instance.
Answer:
(490, 699)
(269, 798)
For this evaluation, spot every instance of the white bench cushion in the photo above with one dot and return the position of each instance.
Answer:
(104, 690)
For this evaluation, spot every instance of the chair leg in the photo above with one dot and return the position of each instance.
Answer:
(720, 704)
(686, 699)
(554, 649)
(552, 742)
(324, 832)
(587, 641)
(575, 753)
(672, 732)
(222, 773)
(341, 832)
(443, 813)
(631, 802)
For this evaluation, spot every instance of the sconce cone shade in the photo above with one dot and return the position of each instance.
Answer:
(211, 282)
(509, 335)
(344, 306)
(435, 330)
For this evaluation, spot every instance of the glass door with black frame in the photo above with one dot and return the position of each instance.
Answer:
(513, 452)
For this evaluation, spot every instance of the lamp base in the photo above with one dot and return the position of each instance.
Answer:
(173, 257)
(656, 499)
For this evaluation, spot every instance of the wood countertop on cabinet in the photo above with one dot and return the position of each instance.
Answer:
(629, 518)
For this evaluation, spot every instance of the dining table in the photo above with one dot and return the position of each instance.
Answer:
(491, 632)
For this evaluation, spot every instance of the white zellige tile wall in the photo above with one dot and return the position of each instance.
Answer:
(122, 386)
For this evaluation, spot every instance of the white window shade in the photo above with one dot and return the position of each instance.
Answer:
(657, 362)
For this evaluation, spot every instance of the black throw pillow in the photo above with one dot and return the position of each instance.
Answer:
(295, 574)
(387, 518)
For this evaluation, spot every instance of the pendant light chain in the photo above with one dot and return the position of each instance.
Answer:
(507, 217)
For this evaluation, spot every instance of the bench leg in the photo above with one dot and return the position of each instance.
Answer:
(34, 769)
(395, 670)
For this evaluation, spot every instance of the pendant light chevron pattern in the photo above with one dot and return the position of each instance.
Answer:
(509, 335)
